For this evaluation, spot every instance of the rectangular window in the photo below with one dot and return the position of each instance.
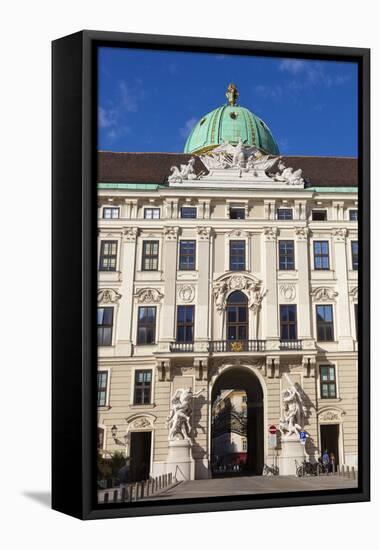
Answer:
(102, 384)
(328, 382)
(142, 387)
(151, 213)
(146, 325)
(353, 215)
(184, 323)
(111, 212)
(284, 214)
(187, 255)
(321, 254)
(244, 445)
(150, 252)
(319, 215)
(104, 326)
(188, 212)
(237, 213)
(324, 318)
(108, 256)
(288, 322)
(237, 255)
(354, 254)
(286, 255)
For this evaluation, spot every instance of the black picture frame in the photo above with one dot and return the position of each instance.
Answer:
(74, 90)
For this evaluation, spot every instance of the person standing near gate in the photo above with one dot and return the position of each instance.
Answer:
(326, 460)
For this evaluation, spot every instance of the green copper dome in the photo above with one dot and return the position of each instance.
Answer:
(229, 123)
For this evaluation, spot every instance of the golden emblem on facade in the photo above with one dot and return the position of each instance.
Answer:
(236, 346)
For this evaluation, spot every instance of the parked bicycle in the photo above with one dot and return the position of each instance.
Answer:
(270, 470)
(308, 468)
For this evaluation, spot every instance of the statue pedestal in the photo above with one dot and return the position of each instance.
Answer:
(179, 460)
(292, 450)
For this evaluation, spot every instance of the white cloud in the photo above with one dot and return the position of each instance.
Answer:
(293, 66)
(107, 117)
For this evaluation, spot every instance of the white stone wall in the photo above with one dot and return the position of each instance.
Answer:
(212, 230)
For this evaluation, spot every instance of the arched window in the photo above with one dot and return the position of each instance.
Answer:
(237, 323)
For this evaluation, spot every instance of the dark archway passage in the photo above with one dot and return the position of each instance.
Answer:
(237, 444)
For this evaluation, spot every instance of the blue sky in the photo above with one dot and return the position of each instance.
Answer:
(150, 100)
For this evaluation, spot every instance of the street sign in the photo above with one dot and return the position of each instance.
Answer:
(272, 429)
(303, 437)
(272, 441)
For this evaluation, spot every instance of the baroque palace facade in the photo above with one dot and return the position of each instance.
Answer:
(226, 267)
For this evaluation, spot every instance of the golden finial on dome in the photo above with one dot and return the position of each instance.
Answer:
(232, 94)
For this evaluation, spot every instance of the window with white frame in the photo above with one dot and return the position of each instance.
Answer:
(111, 212)
(152, 213)
(102, 388)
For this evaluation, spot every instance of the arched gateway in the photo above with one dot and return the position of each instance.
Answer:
(237, 440)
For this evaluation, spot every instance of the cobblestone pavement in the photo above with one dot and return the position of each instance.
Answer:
(254, 485)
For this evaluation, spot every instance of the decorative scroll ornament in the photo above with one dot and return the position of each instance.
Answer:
(302, 233)
(107, 296)
(340, 234)
(270, 233)
(288, 292)
(324, 294)
(186, 293)
(142, 422)
(331, 415)
(251, 287)
(148, 296)
(130, 233)
(353, 292)
(204, 233)
(238, 233)
(171, 233)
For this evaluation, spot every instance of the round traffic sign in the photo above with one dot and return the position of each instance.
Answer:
(272, 429)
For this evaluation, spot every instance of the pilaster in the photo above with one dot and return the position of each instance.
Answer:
(270, 319)
(342, 313)
(125, 316)
(167, 321)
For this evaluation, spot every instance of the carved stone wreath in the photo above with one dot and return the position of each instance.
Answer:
(148, 296)
(107, 296)
(288, 292)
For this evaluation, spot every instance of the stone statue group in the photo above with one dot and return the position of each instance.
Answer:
(292, 421)
(179, 419)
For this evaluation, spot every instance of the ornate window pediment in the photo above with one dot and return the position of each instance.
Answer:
(148, 296)
(330, 414)
(107, 296)
(248, 284)
(323, 294)
(140, 421)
